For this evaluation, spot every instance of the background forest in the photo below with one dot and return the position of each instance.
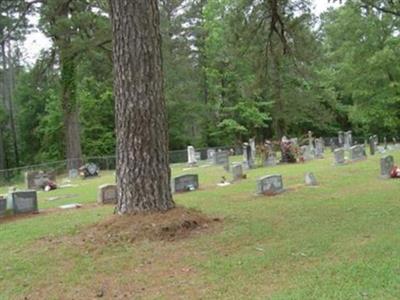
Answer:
(234, 69)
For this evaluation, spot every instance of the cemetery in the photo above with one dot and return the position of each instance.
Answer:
(181, 149)
(272, 203)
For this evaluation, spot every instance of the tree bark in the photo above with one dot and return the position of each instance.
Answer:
(143, 173)
(70, 111)
(9, 86)
(73, 149)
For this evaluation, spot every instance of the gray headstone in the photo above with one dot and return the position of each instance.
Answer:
(191, 156)
(237, 171)
(270, 185)
(197, 156)
(310, 179)
(248, 159)
(341, 138)
(222, 158)
(73, 173)
(3, 206)
(387, 163)
(307, 152)
(37, 180)
(348, 140)
(184, 183)
(357, 152)
(210, 154)
(319, 148)
(24, 202)
(107, 194)
(339, 156)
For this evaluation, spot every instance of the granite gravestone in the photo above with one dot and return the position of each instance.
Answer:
(197, 156)
(270, 159)
(341, 138)
(237, 172)
(191, 156)
(371, 146)
(24, 202)
(319, 148)
(339, 156)
(107, 194)
(185, 183)
(307, 152)
(73, 173)
(210, 154)
(248, 159)
(270, 185)
(3, 206)
(310, 179)
(387, 163)
(252, 143)
(357, 153)
(38, 180)
(348, 140)
(222, 158)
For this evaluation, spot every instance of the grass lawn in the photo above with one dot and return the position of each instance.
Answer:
(340, 240)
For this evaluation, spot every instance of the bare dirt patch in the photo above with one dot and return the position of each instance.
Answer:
(172, 225)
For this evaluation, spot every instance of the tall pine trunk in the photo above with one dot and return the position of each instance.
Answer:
(73, 149)
(143, 173)
(70, 111)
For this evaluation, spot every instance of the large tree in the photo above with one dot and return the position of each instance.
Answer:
(143, 173)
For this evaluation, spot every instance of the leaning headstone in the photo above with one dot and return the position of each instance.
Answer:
(270, 185)
(339, 156)
(310, 179)
(185, 183)
(3, 206)
(107, 194)
(38, 180)
(237, 171)
(191, 156)
(24, 202)
(357, 153)
(387, 163)
(222, 158)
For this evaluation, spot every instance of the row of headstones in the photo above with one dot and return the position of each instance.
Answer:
(217, 157)
(267, 185)
(19, 202)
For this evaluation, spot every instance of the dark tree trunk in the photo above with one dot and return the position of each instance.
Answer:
(73, 150)
(143, 173)
(9, 86)
(70, 111)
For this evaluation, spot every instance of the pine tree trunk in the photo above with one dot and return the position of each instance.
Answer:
(73, 149)
(70, 111)
(9, 85)
(143, 173)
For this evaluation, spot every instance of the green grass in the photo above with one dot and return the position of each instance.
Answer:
(339, 240)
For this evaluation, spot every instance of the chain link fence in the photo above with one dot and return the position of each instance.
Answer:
(16, 175)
